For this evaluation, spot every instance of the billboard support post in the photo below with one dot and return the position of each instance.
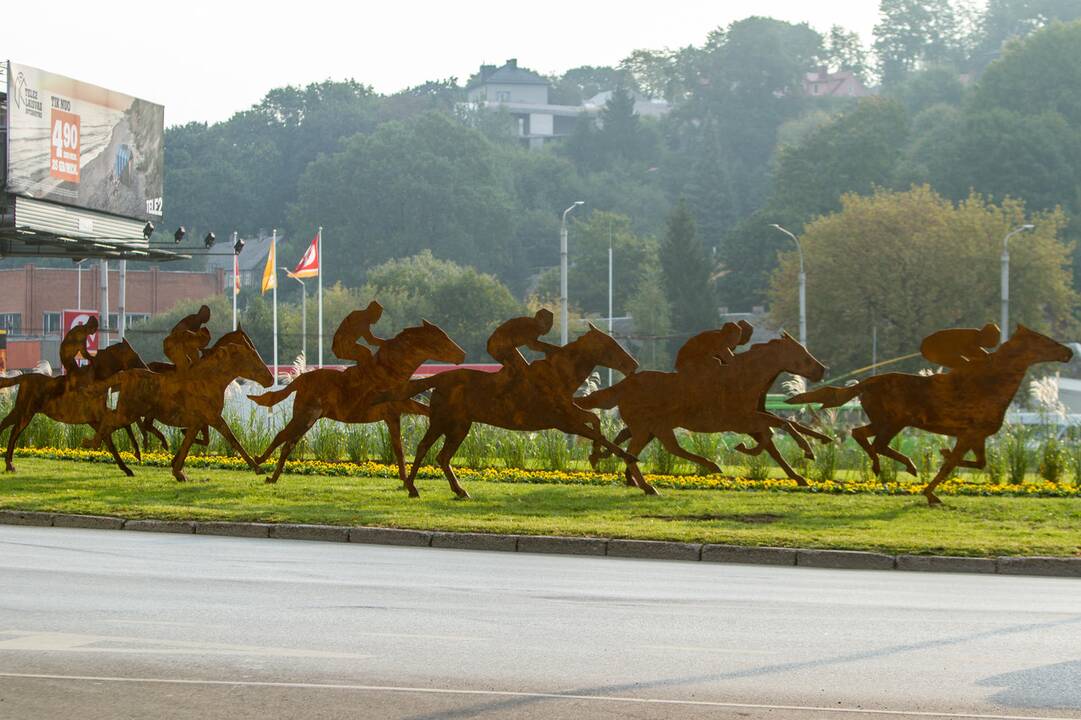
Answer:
(122, 300)
(320, 247)
(103, 303)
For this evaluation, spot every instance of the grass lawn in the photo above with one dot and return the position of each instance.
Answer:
(963, 526)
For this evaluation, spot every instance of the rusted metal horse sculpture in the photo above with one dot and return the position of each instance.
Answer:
(84, 402)
(968, 403)
(350, 395)
(537, 397)
(709, 397)
(189, 399)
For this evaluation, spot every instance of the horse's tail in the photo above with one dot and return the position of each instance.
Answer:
(274, 397)
(6, 382)
(605, 399)
(829, 396)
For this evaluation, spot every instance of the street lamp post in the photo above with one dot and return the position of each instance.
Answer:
(303, 314)
(1005, 286)
(563, 273)
(802, 287)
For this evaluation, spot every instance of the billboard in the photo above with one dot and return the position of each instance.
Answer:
(71, 318)
(82, 145)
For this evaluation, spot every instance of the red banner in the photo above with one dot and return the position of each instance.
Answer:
(309, 264)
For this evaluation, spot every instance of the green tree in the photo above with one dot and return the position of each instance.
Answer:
(913, 262)
(650, 310)
(686, 270)
(915, 32)
(466, 303)
(856, 151)
(1004, 20)
(587, 276)
(428, 183)
(844, 51)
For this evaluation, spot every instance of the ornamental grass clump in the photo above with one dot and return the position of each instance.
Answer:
(1017, 453)
(554, 453)
(357, 443)
(1053, 460)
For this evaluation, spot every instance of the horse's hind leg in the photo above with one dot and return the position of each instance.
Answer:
(951, 462)
(111, 447)
(862, 435)
(294, 430)
(394, 429)
(811, 432)
(17, 425)
(671, 444)
(134, 445)
(633, 473)
(978, 449)
(881, 445)
(425, 444)
(452, 440)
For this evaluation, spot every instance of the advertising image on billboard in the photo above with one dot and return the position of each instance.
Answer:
(81, 145)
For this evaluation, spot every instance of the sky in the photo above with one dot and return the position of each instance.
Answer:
(206, 60)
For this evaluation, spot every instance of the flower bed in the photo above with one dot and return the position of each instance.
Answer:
(954, 486)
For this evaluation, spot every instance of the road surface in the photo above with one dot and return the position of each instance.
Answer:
(115, 624)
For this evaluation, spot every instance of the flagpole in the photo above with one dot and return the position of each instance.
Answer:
(236, 277)
(274, 251)
(320, 258)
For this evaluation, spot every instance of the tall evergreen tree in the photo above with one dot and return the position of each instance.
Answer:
(686, 269)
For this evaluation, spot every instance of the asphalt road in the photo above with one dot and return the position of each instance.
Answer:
(114, 624)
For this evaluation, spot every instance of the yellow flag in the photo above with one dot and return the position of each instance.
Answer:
(270, 277)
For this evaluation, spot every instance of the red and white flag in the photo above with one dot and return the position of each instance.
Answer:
(236, 274)
(309, 264)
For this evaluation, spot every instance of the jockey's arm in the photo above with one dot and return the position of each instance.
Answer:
(540, 346)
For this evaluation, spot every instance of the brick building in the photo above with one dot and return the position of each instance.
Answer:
(32, 298)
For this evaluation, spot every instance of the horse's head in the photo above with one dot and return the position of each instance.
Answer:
(244, 359)
(124, 355)
(435, 343)
(607, 352)
(235, 337)
(797, 360)
(1037, 347)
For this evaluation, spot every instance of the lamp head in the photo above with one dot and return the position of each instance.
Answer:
(209, 240)
(179, 234)
(148, 230)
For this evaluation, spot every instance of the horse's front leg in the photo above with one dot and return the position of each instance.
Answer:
(222, 427)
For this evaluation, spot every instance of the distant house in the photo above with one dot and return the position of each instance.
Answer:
(523, 94)
(643, 106)
(252, 261)
(843, 83)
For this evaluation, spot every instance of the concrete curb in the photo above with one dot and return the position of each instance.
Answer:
(845, 559)
(475, 541)
(654, 549)
(748, 555)
(648, 549)
(554, 545)
(240, 529)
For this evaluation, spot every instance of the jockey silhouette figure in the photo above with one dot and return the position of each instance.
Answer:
(957, 347)
(519, 332)
(356, 325)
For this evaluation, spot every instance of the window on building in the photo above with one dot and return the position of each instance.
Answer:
(502, 95)
(12, 322)
(50, 323)
(137, 318)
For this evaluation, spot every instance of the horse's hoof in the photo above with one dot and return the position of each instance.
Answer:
(801, 482)
(932, 499)
(414, 494)
(714, 469)
(269, 480)
(10, 469)
(128, 472)
(650, 490)
(181, 478)
(462, 495)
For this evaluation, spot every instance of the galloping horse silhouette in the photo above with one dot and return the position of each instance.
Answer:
(538, 397)
(968, 403)
(709, 397)
(350, 395)
(191, 399)
(85, 403)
